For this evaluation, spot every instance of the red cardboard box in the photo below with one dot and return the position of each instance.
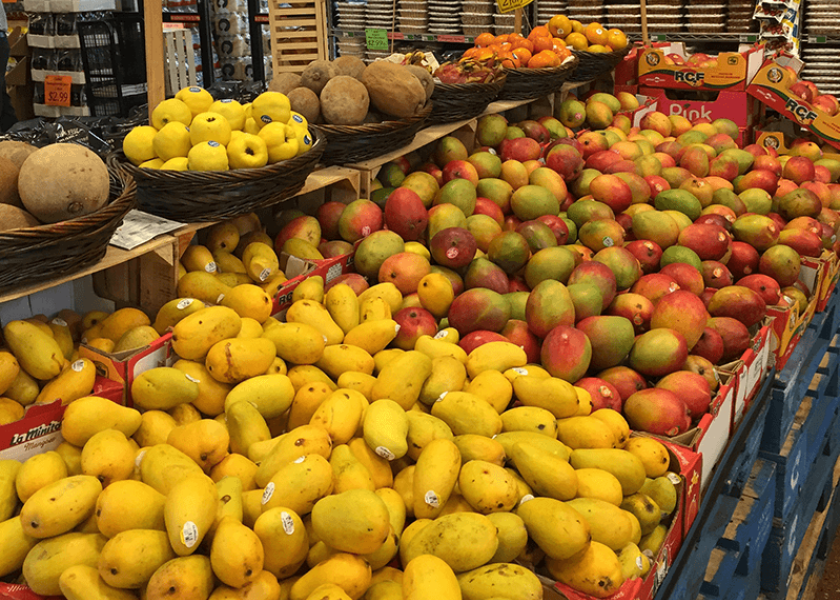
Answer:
(771, 86)
(14, 591)
(690, 467)
(297, 270)
(39, 430)
(730, 71)
(738, 107)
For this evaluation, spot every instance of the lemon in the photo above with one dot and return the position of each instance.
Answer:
(172, 140)
(271, 107)
(247, 109)
(247, 151)
(196, 98)
(207, 156)
(210, 126)
(281, 140)
(138, 144)
(155, 163)
(169, 111)
(230, 110)
(179, 163)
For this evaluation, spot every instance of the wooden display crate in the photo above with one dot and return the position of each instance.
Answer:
(298, 34)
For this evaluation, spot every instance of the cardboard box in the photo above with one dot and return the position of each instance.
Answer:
(730, 71)
(39, 430)
(771, 86)
(751, 372)
(126, 366)
(296, 270)
(738, 107)
(14, 591)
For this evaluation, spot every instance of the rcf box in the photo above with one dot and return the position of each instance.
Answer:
(39, 430)
(772, 87)
(671, 66)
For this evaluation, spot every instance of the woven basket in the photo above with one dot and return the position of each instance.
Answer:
(593, 64)
(37, 254)
(459, 101)
(530, 84)
(357, 143)
(194, 196)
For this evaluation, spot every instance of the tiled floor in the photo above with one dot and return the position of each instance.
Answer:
(829, 589)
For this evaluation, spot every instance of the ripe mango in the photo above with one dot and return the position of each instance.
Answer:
(478, 447)
(340, 358)
(546, 473)
(448, 375)
(211, 393)
(427, 577)
(355, 519)
(8, 495)
(304, 440)
(16, 545)
(130, 558)
(10, 411)
(203, 286)
(464, 541)
(386, 291)
(250, 329)
(189, 512)
(530, 418)
(75, 381)
(249, 301)
(48, 559)
(115, 325)
(184, 577)
(59, 507)
(653, 455)
(24, 389)
(87, 416)
(402, 379)
(164, 466)
(163, 388)
(129, 504)
(348, 472)
(235, 360)
(435, 476)
(38, 471)
(608, 524)
(616, 422)
(500, 581)
(205, 441)
(596, 571)
(9, 369)
(313, 313)
(626, 467)
(385, 429)
(341, 414)
(299, 484)
(37, 352)
(236, 554)
(646, 511)
(558, 529)
(497, 356)
(488, 488)
(512, 534)
(135, 338)
(585, 432)
(600, 485)
(298, 343)
(245, 426)
(82, 582)
(348, 571)
(343, 305)
(238, 466)
(283, 536)
(173, 311)
(195, 334)
(271, 394)
(108, 456)
(466, 413)
(438, 348)
(553, 394)
(372, 336)
(422, 429)
(493, 387)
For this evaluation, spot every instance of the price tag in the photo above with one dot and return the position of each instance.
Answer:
(506, 6)
(376, 39)
(819, 39)
(57, 90)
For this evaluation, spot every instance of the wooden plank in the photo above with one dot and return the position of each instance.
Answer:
(153, 26)
(283, 34)
(284, 23)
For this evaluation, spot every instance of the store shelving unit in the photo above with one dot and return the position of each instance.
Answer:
(205, 32)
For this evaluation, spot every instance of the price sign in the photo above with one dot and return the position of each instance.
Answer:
(506, 6)
(376, 39)
(57, 90)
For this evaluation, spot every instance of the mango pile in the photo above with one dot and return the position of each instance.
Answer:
(305, 459)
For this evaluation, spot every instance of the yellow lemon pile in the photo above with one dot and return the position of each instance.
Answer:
(193, 132)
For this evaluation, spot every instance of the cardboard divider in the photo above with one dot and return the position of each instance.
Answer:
(660, 67)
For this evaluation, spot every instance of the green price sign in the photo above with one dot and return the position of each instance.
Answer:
(376, 39)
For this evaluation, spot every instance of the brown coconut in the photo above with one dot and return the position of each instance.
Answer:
(305, 101)
(344, 101)
(63, 181)
(316, 75)
(12, 217)
(9, 183)
(16, 151)
(284, 83)
(393, 89)
(352, 66)
(424, 77)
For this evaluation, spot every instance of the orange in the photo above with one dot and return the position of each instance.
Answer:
(512, 37)
(485, 39)
(543, 43)
(616, 39)
(542, 59)
(563, 53)
(523, 43)
(507, 47)
(560, 26)
(577, 41)
(509, 61)
(484, 54)
(523, 55)
(598, 48)
(596, 34)
(558, 43)
(577, 26)
(539, 31)
(502, 38)
(470, 53)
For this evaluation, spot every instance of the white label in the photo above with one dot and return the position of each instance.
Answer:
(717, 375)
(787, 299)
(673, 287)
(268, 492)
(673, 478)
(220, 298)
(210, 267)
(640, 564)
(59, 322)
(288, 522)
(520, 371)
(441, 397)
(441, 334)
(191, 378)
(326, 339)
(397, 328)
(452, 253)
(78, 366)
(299, 460)
(608, 241)
(189, 534)
(432, 499)
(184, 303)
(383, 452)
(139, 459)
(366, 230)
(264, 274)
(525, 499)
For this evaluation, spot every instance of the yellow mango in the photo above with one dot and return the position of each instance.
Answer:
(616, 422)
(313, 313)
(229, 263)
(530, 418)
(108, 456)
(173, 311)
(438, 348)
(356, 520)
(299, 484)
(478, 447)
(203, 286)
(361, 382)
(10, 411)
(82, 582)
(558, 529)
(249, 300)
(235, 360)
(457, 504)
(195, 334)
(584, 402)
(493, 387)
(341, 414)
(385, 429)
(163, 467)
(634, 564)
(384, 590)
(205, 441)
(624, 465)
(497, 356)
(374, 309)
(16, 545)
(184, 414)
(94, 332)
(234, 279)
(245, 425)
(75, 381)
(130, 558)
(466, 413)
(58, 507)
(102, 344)
(211, 393)
(555, 447)
(298, 343)
(306, 400)
(654, 540)
(436, 294)
(348, 472)
(378, 467)
(311, 288)
(135, 338)
(8, 495)
(129, 504)
(264, 587)
(189, 512)
(236, 465)
(422, 429)
(223, 237)
(448, 375)
(404, 486)
(599, 485)
(185, 577)
(512, 534)
(271, 394)
(87, 416)
(427, 577)
(342, 358)
(652, 454)
(250, 330)
(553, 394)
(163, 388)
(372, 336)
(608, 524)
(38, 471)
(328, 591)
(402, 379)
(596, 571)
(251, 506)
(396, 508)
(273, 286)
(37, 352)
(48, 559)
(304, 440)
(343, 305)
(93, 318)
(646, 511)
(487, 487)
(121, 321)
(500, 581)
(435, 476)
(348, 571)
(24, 389)
(236, 554)
(384, 357)
(198, 258)
(464, 541)
(547, 474)
(585, 432)
(387, 292)
(387, 574)
(284, 539)
(9, 369)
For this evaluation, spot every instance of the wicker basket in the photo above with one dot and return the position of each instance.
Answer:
(530, 84)
(195, 196)
(593, 64)
(357, 143)
(459, 101)
(37, 254)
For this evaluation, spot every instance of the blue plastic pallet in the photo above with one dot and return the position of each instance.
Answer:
(787, 535)
(746, 461)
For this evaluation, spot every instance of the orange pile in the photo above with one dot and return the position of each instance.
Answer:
(547, 45)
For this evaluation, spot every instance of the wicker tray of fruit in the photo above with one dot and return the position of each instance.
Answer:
(203, 159)
(464, 88)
